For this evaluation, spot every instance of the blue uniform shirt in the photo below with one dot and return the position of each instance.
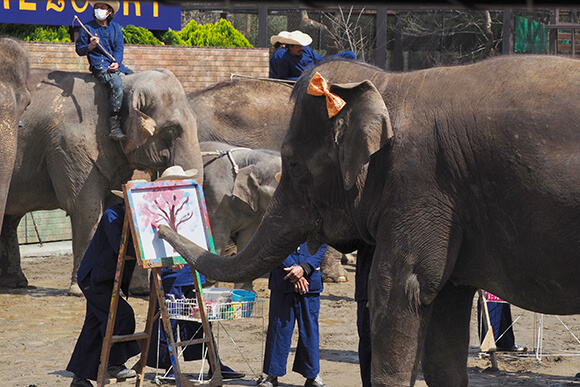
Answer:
(100, 259)
(291, 67)
(300, 257)
(112, 40)
(275, 62)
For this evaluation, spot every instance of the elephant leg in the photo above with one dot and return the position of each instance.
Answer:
(11, 274)
(447, 338)
(140, 282)
(84, 221)
(397, 330)
(331, 267)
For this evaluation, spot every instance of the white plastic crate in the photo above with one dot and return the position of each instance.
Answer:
(187, 309)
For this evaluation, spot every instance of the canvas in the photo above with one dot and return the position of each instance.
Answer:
(178, 204)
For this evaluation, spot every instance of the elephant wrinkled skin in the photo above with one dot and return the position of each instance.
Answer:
(238, 186)
(253, 113)
(66, 160)
(14, 98)
(464, 177)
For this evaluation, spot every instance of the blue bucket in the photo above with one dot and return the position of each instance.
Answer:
(247, 298)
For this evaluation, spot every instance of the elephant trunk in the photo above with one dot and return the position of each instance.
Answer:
(282, 230)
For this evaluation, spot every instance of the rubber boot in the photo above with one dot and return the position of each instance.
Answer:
(116, 133)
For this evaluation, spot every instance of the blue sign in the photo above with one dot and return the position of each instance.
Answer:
(150, 15)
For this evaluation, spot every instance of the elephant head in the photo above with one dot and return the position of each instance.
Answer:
(159, 122)
(324, 164)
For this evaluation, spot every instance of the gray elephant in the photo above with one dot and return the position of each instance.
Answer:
(66, 160)
(14, 97)
(463, 177)
(257, 116)
(249, 113)
(238, 186)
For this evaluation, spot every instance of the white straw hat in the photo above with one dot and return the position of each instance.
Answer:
(113, 4)
(120, 193)
(278, 38)
(176, 172)
(296, 37)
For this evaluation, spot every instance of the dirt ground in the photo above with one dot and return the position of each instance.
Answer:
(40, 324)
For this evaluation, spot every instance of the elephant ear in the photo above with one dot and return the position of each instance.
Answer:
(138, 126)
(247, 188)
(361, 128)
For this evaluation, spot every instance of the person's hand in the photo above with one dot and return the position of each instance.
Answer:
(177, 267)
(113, 67)
(294, 273)
(93, 42)
(301, 286)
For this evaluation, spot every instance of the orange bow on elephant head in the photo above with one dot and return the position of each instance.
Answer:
(318, 86)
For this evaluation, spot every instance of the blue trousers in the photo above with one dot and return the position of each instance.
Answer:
(285, 310)
(86, 356)
(114, 84)
(500, 317)
(158, 355)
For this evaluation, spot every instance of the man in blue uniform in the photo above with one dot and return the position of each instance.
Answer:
(96, 276)
(295, 288)
(298, 56)
(110, 37)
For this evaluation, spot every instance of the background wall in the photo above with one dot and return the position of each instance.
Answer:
(195, 67)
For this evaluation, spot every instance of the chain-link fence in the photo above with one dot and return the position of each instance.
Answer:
(415, 39)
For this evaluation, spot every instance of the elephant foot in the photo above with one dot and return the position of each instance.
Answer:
(75, 290)
(14, 280)
(348, 259)
(340, 278)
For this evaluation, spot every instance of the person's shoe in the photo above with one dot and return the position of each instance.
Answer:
(115, 131)
(80, 382)
(513, 348)
(169, 374)
(227, 373)
(270, 381)
(314, 382)
(121, 372)
(577, 375)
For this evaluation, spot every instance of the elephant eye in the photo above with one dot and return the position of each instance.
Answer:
(171, 132)
(296, 170)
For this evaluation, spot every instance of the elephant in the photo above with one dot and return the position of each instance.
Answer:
(257, 116)
(250, 113)
(463, 177)
(238, 186)
(66, 160)
(14, 98)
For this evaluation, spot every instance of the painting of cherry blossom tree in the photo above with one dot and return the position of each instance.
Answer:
(177, 204)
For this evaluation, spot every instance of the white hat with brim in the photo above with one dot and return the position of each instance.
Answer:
(298, 38)
(176, 172)
(113, 4)
(120, 193)
(278, 38)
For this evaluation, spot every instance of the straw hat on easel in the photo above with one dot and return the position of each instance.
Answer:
(175, 172)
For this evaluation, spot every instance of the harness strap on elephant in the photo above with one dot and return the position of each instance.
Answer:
(221, 153)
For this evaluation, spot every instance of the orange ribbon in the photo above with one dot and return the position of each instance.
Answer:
(318, 86)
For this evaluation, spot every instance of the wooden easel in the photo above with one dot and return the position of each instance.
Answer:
(143, 339)
(488, 343)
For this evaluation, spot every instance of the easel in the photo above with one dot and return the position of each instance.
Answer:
(488, 343)
(143, 339)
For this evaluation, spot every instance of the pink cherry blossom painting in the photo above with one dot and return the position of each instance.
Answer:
(178, 204)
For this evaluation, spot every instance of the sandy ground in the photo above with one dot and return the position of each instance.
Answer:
(40, 324)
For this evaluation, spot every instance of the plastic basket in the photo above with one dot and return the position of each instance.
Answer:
(187, 309)
(247, 300)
